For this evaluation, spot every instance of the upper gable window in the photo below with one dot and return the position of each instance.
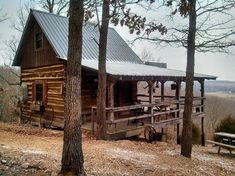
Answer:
(38, 40)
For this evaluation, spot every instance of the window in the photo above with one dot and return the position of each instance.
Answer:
(38, 40)
(39, 92)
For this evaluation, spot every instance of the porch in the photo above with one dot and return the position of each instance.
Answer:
(148, 110)
(140, 95)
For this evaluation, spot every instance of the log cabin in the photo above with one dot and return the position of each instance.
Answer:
(42, 57)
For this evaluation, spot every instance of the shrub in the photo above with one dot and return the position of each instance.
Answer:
(226, 125)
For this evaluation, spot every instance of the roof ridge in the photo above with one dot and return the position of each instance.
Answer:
(48, 13)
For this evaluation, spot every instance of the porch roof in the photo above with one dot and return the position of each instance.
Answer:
(134, 71)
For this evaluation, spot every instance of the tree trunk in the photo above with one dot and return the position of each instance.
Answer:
(101, 99)
(72, 157)
(186, 146)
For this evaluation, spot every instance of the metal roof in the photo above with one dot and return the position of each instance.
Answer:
(139, 70)
(121, 59)
(56, 30)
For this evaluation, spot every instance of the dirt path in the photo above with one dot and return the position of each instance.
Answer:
(31, 151)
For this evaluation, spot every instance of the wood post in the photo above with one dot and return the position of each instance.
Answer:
(178, 133)
(177, 95)
(93, 120)
(202, 132)
(162, 90)
(202, 94)
(151, 84)
(111, 98)
(202, 110)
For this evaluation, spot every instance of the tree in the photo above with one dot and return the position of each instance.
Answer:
(53, 6)
(202, 34)
(101, 99)
(146, 56)
(186, 144)
(72, 157)
(118, 13)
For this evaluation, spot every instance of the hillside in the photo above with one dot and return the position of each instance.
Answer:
(220, 86)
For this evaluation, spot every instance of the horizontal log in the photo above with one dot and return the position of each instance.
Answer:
(130, 118)
(144, 116)
(42, 78)
(55, 105)
(132, 107)
(198, 114)
(59, 66)
(56, 99)
(23, 74)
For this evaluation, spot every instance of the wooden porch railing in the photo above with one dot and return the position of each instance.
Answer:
(175, 112)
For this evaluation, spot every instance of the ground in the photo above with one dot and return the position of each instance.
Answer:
(33, 151)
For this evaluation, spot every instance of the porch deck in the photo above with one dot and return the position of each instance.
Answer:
(120, 127)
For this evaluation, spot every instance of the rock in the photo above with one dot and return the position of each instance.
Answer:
(3, 161)
(25, 165)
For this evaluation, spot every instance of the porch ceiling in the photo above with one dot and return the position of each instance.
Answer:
(131, 71)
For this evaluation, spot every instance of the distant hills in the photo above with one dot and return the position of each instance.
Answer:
(220, 86)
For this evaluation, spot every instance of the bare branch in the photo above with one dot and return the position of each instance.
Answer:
(3, 16)
(214, 32)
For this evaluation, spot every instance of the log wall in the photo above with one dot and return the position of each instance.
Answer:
(53, 76)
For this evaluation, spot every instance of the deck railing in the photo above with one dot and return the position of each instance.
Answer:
(173, 108)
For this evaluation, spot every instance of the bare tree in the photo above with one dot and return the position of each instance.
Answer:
(186, 144)
(215, 26)
(53, 6)
(116, 12)
(101, 100)
(72, 157)
(3, 16)
(19, 23)
(204, 33)
(146, 56)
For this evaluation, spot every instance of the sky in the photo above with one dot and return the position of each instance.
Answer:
(217, 64)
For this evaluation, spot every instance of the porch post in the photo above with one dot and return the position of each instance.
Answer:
(111, 98)
(178, 134)
(202, 110)
(177, 95)
(151, 84)
(162, 90)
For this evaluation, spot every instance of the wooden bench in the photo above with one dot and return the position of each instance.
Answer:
(226, 146)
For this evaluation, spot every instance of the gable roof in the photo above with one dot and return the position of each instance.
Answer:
(121, 59)
(55, 28)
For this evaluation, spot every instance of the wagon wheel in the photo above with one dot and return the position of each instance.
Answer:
(149, 134)
(48, 117)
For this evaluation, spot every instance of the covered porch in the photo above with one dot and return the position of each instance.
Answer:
(140, 96)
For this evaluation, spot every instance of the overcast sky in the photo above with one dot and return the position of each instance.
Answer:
(220, 65)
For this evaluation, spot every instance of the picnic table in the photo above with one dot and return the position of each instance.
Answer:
(227, 142)
(228, 138)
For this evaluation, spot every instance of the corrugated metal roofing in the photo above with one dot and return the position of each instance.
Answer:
(56, 30)
(132, 69)
(121, 59)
